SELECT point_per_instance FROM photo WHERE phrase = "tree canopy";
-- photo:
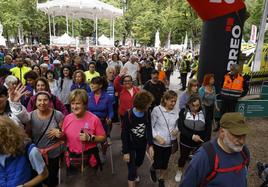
(141, 20)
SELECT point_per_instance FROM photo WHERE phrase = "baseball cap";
(235, 123)
(56, 62)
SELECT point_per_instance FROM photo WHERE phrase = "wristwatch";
(92, 138)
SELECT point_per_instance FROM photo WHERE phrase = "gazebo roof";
(80, 9)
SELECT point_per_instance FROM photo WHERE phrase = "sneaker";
(191, 156)
(109, 141)
(178, 176)
(138, 179)
(153, 175)
(161, 183)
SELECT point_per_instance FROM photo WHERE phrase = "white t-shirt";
(132, 69)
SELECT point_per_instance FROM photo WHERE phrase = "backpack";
(214, 163)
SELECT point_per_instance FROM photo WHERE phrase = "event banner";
(221, 35)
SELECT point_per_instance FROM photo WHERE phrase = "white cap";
(44, 65)
(56, 62)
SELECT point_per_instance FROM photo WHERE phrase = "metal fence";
(255, 87)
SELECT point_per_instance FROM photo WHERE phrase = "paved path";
(119, 178)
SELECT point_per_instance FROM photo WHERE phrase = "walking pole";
(59, 174)
(111, 150)
(83, 148)
(111, 156)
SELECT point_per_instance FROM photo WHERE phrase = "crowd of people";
(58, 105)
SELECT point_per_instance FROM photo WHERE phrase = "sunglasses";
(127, 81)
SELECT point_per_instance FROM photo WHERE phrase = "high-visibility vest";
(233, 88)
(19, 72)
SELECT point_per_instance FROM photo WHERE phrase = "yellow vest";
(90, 76)
(20, 72)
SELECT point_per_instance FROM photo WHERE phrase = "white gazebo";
(90, 9)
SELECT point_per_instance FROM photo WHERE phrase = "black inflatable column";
(221, 35)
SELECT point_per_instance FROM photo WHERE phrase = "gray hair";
(10, 80)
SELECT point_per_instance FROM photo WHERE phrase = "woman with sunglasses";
(124, 86)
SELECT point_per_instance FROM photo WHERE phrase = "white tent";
(105, 41)
(91, 9)
(64, 40)
(157, 41)
(2, 39)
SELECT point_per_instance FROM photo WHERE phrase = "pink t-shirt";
(72, 126)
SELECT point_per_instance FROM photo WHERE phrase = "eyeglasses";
(194, 85)
(91, 66)
(127, 81)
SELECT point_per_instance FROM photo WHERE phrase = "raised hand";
(16, 93)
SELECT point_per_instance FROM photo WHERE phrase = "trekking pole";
(110, 148)
(83, 148)
(112, 161)
(59, 174)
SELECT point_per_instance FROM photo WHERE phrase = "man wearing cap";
(57, 69)
(44, 69)
(228, 150)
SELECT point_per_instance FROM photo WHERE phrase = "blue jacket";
(104, 108)
(199, 168)
(111, 91)
(17, 170)
(81, 86)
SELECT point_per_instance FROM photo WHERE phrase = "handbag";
(174, 143)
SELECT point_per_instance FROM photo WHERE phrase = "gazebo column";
(113, 31)
(73, 26)
(96, 30)
(54, 29)
(49, 28)
(67, 24)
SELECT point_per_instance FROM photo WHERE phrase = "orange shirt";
(162, 76)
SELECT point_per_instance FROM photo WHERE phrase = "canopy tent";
(65, 39)
(105, 41)
(2, 39)
(91, 9)
(157, 41)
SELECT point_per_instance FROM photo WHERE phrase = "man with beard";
(20, 70)
(224, 161)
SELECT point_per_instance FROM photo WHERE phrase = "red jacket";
(125, 99)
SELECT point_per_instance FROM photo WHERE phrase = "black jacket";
(187, 134)
(136, 132)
